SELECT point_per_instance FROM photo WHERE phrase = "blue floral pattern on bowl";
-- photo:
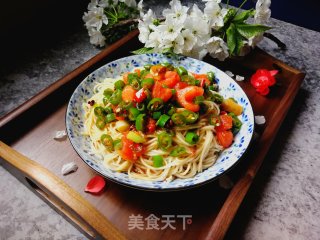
(227, 87)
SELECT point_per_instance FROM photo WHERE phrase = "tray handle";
(56, 192)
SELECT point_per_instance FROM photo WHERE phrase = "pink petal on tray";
(95, 185)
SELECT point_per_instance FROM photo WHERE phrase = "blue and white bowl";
(227, 87)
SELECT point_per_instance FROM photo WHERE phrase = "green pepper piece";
(236, 123)
(117, 144)
(181, 71)
(110, 117)
(155, 104)
(162, 120)
(164, 141)
(135, 137)
(191, 138)
(178, 152)
(107, 141)
(178, 119)
(211, 76)
(125, 105)
(214, 87)
(100, 123)
(116, 97)
(147, 66)
(108, 92)
(119, 85)
(147, 83)
(214, 120)
(190, 116)
(133, 113)
(156, 115)
(171, 111)
(140, 122)
(198, 99)
(108, 110)
(99, 111)
(217, 98)
(157, 161)
(133, 80)
(141, 106)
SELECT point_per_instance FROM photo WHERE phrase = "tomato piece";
(149, 75)
(125, 77)
(225, 138)
(181, 85)
(140, 96)
(130, 151)
(159, 91)
(186, 95)
(128, 93)
(138, 71)
(151, 125)
(171, 79)
(225, 123)
(158, 69)
(203, 78)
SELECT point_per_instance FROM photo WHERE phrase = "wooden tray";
(27, 133)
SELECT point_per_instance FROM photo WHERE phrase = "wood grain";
(211, 207)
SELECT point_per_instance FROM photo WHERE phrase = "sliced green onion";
(214, 120)
(178, 119)
(105, 100)
(140, 122)
(133, 113)
(125, 105)
(171, 111)
(198, 99)
(147, 83)
(164, 141)
(133, 80)
(191, 138)
(197, 82)
(147, 66)
(162, 120)
(214, 87)
(236, 123)
(107, 141)
(108, 109)
(110, 117)
(156, 115)
(157, 161)
(155, 104)
(99, 111)
(178, 152)
(167, 65)
(181, 71)
(211, 76)
(117, 144)
(190, 116)
(116, 97)
(100, 123)
(217, 98)
(119, 85)
(141, 106)
(135, 137)
(108, 92)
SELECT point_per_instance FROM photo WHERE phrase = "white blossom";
(189, 40)
(177, 11)
(154, 40)
(140, 8)
(215, 13)
(95, 18)
(239, 78)
(130, 3)
(145, 25)
(170, 28)
(263, 12)
(217, 48)
(216, 1)
(197, 52)
(96, 37)
(259, 119)
(68, 168)
(177, 44)
(229, 73)
(92, 5)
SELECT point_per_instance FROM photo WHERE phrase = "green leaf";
(244, 15)
(250, 30)
(232, 38)
(230, 14)
(143, 50)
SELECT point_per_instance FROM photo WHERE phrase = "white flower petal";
(229, 73)
(60, 135)
(68, 168)
(259, 120)
(239, 78)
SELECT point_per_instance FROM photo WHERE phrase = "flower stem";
(227, 3)
(272, 37)
(241, 5)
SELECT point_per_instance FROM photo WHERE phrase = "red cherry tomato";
(130, 151)
(186, 95)
(225, 138)
(159, 91)
(225, 123)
